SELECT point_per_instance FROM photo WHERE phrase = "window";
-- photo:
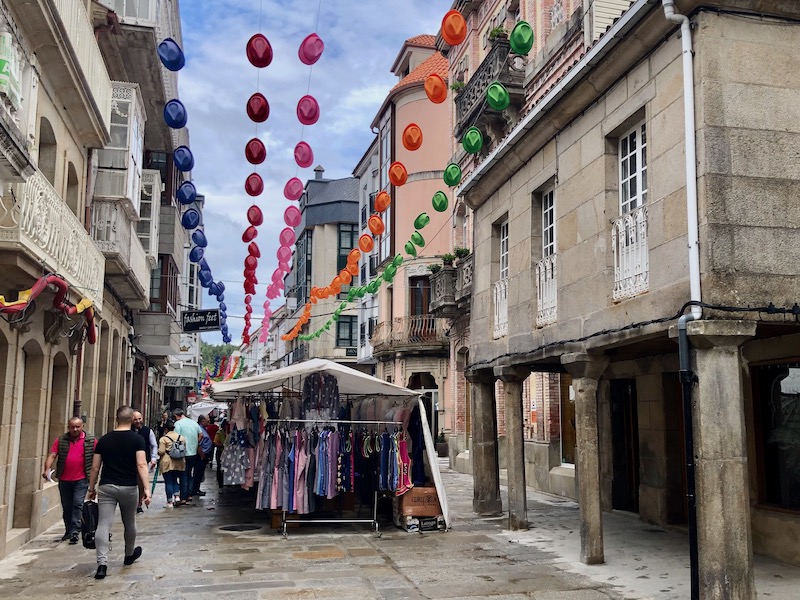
(776, 396)
(362, 334)
(633, 169)
(363, 273)
(347, 331)
(548, 224)
(194, 291)
(386, 236)
(373, 323)
(419, 290)
(504, 250)
(303, 254)
(155, 287)
(385, 153)
(348, 239)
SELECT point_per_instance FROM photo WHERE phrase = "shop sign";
(200, 320)
(179, 382)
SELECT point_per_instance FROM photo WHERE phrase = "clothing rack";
(374, 520)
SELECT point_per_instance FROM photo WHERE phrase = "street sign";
(200, 320)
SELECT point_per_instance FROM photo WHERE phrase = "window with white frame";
(504, 250)
(548, 224)
(633, 169)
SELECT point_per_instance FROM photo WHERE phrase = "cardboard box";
(418, 524)
(420, 501)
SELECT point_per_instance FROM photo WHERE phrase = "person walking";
(161, 427)
(151, 446)
(211, 428)
(125, 480)
(72, 452)
(219, 446)
(170, 467)
(192, 432)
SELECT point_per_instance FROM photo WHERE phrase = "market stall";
(316, 430)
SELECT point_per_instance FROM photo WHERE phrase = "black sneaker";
(139, 510)
(101, 572)
(73, 539)
(129, 560)
(65, 537)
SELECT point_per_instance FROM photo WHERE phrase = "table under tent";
(318, 431)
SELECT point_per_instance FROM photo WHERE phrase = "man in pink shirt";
(73, 453)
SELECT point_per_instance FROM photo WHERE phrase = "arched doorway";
(99, 425)
(115, 381)
(425, 382)
(48, 150)
(59, 398)
(73, 196)
(28, 441)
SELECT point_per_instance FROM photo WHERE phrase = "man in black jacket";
(72, 452)
(150, 444)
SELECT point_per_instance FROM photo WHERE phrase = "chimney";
(318, 171)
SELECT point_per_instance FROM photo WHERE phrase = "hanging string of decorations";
(176, 117)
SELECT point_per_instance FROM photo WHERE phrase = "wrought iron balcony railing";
(546, 291)
(631, 254)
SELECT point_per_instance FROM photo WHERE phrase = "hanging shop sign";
(200, 320)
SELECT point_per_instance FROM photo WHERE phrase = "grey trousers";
(108, 496)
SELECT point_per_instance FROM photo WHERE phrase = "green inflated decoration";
(373, 286)
(417, 238)
(439, 201)
(335, 316)
(410, 249)
(342, 306)
(452, 175)
(521, 38)
(361, 291)
(421, 220)
(497, 97)
(472, 140)
(351, 294)
(389, 273)
(398, 260)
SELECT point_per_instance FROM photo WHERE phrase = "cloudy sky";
(350, 81)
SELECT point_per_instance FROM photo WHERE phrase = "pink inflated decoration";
(303, 155)
(293, 189)
(255, 216)
(292, 216)
(266, 305)
(255, 152)
(259, 51)
(284, 266)
(254, 185)
(308, 110)
(284, 254)
(277, 275)
(287, 236)
(267, 312)
(264, 335)
(311, 49)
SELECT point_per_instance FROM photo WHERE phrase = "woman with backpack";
(172, 450)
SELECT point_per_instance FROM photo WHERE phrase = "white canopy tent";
(350, 382)
(204, 407)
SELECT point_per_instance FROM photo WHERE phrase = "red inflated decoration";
(311, 49)
(308, 110)
(253, 250)
(303, 155)
(259, 51)
(293, 189)
(249, 234)
(251, 262)
(258, 108)
(255, 152)
(255, 216)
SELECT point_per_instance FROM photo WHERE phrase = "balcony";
(41, 226)
(631, 254)
(471, 107)
(76, 69)
(149, 202)
(546, 291)
(443, 293)
(464, 282)
(127, 269)
(419, 334)
(159, 336)
(500, 304)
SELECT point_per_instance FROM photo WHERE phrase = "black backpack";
(89, 518)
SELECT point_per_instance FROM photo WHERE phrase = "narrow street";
(189, 554)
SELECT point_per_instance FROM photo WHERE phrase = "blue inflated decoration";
(183, 158)
(199, 238)
(203, 264)
(175, 115)
(195, 254)
(187, 193)
(190, 219)
(222, 306)
(221, 298)
(171, 55)
(221, 286)
(213, 289)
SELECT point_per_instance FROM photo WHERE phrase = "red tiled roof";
(429, 41)
(436, 63)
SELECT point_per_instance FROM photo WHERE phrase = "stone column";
(586, 370)
(724, 538)
(483, 453)
(512, 379)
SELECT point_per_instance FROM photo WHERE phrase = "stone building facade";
(597, 166)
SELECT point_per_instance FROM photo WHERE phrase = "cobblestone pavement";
(187, 554)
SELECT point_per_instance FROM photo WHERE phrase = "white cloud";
(350, 82)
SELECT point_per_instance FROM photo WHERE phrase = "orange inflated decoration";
(354, 256)
(398, 174)
(454, 28)
(375, 225)
(352, 268)
(435, 88)
(345, 276)
(365, 243)
(382, 201)
(412, 137)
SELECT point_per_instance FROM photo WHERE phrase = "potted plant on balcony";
(447, 259)
(498, 33)
(457, 86)
(434, 268)
(461, 252)
(442, 447)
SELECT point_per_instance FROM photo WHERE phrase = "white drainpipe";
(691, 157)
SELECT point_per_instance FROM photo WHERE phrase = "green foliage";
(497, 32)
(457, 86)
(210, 352)
(434, 268)
(448, 259)
(461, 252)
